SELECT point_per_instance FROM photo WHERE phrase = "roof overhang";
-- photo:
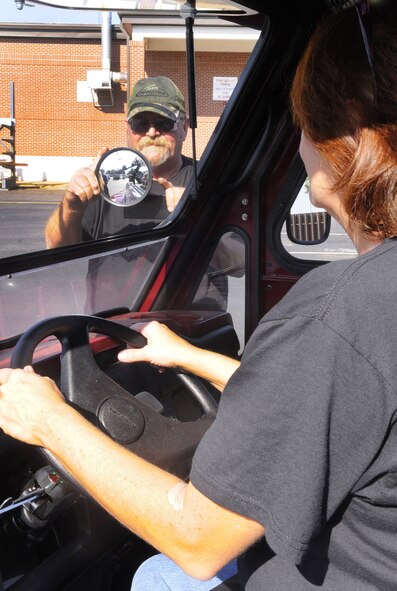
(219, 25)
(57, 31)
(166, 32)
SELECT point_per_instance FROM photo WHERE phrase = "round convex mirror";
(124, 176)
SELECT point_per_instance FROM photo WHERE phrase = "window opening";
(311, 221)
(223, 284)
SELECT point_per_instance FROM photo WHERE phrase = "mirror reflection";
(124, 177)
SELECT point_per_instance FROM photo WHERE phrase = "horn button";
(121, 419)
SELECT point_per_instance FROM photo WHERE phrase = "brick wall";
(45, 71)
(208, 65)
(49, 120)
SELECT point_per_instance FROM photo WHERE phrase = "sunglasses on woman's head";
(142, 125)
(363, 18)
(362, 9)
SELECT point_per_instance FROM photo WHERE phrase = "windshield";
(65, 96)
(115, 281)
(71, 92)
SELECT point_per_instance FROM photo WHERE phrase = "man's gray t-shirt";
(102, 219)
(305, 441)
(111, 280)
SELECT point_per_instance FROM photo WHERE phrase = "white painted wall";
(49, 168)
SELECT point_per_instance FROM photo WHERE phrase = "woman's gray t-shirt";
(305, 440)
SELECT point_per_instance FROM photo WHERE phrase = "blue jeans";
(159, 573)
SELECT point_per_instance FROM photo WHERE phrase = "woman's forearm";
(213, 367)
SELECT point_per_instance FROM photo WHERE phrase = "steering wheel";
(164, 441)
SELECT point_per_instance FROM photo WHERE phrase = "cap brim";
(162, 110)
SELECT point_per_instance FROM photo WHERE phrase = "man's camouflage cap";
(158, 95)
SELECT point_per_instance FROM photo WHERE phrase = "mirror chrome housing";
(125, 177)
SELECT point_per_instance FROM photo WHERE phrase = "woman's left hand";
(27, 403)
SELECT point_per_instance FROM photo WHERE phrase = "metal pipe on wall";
(106, 36)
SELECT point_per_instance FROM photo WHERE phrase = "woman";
(298, 474)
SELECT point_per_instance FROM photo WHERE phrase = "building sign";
(222, 87)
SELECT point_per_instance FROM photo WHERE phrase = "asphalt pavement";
(26, 192)
(24, 212)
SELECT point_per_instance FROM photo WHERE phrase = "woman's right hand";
(164, 348)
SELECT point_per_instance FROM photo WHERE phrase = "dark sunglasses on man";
(142, 125)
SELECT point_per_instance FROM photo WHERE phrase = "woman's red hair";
(351, 121)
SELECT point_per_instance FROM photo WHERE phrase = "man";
(156, 126)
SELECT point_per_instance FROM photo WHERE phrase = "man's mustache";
(157, 141)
